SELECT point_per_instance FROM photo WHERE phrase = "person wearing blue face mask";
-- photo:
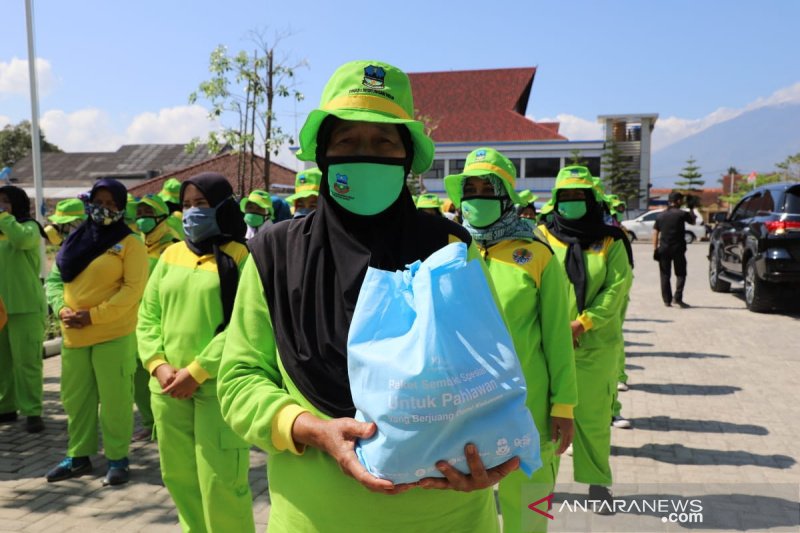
(184, 312)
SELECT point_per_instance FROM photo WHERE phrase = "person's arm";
(691, 218)
(656, 233)
(135, 267)
(54, 289)
(605, 306)
(148, 327)
(23, 236)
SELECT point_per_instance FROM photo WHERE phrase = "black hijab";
(219, 193)
(312, 269)
(580, 235)
(90, 240)
(21, 206)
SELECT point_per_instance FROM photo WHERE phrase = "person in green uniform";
(306, 192)
(532, 289)
(94, 288)
(258, 211)
(185, 309)
(527, 207)
(21, 381)
(596, 262)
(69, 214)
(170, 193)
(283, 381)
(430, 203)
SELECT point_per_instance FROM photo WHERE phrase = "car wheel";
(688, 237)
(759, 295)
(714, 270)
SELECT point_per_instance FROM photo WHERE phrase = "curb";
(51, 347)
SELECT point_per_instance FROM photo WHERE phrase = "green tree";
(618, 176)
(576, 159)
(743, 187)
(15, 143)
(691, 183)
(245, 86)
(790, 167)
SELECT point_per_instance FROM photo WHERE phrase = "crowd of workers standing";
(225, 322)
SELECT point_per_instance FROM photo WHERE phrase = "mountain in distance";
(754, 141)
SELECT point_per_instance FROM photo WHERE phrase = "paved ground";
(714, 400)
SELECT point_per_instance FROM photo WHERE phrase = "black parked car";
(758, 247)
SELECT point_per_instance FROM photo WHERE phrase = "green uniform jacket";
(21, 261)
(532, 288)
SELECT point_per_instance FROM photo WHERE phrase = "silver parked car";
(641, 227)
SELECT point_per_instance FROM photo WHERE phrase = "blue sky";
(120, 72)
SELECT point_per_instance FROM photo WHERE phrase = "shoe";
(682, 304)
(68, 468)
(118, 472)
(668, 304)
(34, 424)
(621, 422)
(8, 417)
(142, 435)
(568, 451)
(622, 386)
(605, 505)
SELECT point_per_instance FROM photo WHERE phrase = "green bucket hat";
(67, 211)
(171, 191)
(576, 177)
(259, 197)
(153, 200)
(483, 162)
(130, 209)
(368, 91)
(429, 201)
(306, 183)
(527, 197)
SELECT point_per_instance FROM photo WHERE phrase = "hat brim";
(301, 194)
(453, 184)
(423, 145)
(260, 203)
(554, 192)
(65, 219)
(159, 210)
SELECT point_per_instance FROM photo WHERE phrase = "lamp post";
(35, 136)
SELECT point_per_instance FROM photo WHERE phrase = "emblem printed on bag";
(502, 447)
(521, 256)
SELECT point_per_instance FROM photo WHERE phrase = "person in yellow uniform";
(596, 262)
(21, 378)
(306, 191)
(430, 203)
(185, 309)
(69, 214)
(95, 287)
(258, 211)
(532, 289)
(170, 193)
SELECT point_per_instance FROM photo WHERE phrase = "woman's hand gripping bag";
(432, 364)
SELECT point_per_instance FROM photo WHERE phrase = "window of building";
(457, 166)
(436, 172)
(517, 165)
(593, 164)
(542, 167)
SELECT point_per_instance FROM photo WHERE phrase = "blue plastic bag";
(432, 364)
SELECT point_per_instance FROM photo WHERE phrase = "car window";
(792, 201)
(767, 203)
(651, 217)
(741, 211)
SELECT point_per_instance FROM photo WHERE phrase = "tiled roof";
(479, 105)
(227, 165)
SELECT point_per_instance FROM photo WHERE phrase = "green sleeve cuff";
(155, 362)
(4, 215)
(282, 428)
(586, 321)
(198, 372)
(562, 410)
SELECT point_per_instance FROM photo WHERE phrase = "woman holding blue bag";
(596, 261)
(532, 289)
(283, 381)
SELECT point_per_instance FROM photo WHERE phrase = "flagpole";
(35, 136)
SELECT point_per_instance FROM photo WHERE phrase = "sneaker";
(34, 424)
(605, 507)
(5, 418)
(622, 386)
(568, 451)
(621, 422)
(68, 468)
(142, 435)
(118, 472)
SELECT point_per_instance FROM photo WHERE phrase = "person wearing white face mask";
(95, 287)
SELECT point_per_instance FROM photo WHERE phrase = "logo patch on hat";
(301, 179)
(522, 256)
(575, 172)
(341, 185)
(480, 155)
(374, 77)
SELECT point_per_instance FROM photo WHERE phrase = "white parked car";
(641, 228)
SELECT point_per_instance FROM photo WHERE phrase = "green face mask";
(572, 210)
(366, 188)
(254, 220)
(146, 224)
(481, 212)
(619, 216)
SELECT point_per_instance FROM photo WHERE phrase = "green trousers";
(22, 378)
(622, 376)
(204, 464)
(516, 492)
(596, 372)
(141, 394)
(99, 376)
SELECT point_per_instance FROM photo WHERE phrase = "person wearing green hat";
(69, 214)
(306, 192)
(597, 267)
(283, 381)
(171, 194)
(532, 290)
(527, 208)
(21, 379)
(258, 211)
(429, 203)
